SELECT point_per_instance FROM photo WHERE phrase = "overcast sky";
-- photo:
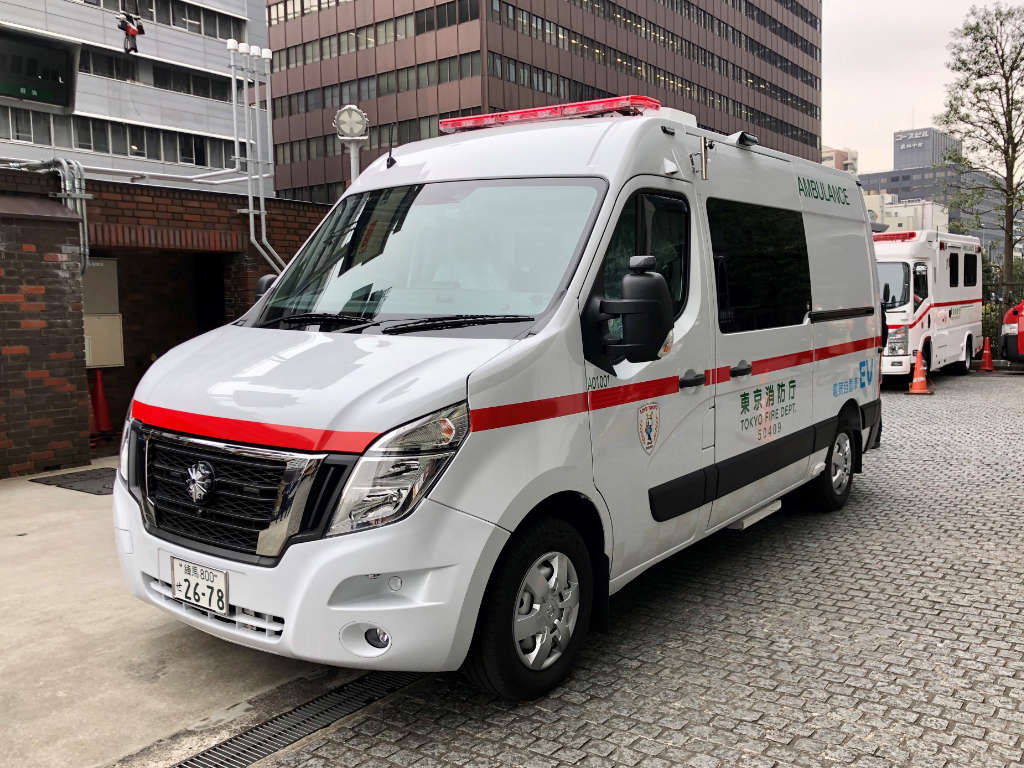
(883, 70)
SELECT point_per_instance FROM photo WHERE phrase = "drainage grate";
(99, 482)
(287, 728)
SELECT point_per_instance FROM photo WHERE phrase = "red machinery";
(1011, 336)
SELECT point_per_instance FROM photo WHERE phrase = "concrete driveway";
(89, 675)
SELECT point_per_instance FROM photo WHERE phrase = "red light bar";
(900, 236)
(630, 105)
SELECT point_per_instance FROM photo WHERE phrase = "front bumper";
(421, 580)
(897, 365)
(1008, 348)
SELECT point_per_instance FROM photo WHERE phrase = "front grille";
(249, 508)
(243, 620)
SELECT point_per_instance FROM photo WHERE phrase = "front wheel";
(831, 488)
(535, 613)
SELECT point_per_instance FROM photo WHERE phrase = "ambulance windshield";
(894, 283)
(480, 247)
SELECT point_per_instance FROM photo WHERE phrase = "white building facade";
(909, 215)
(68, 89)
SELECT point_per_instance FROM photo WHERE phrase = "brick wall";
(44, 416)
(165, 240)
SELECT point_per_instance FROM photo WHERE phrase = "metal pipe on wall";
(270, 156)
(250, 163)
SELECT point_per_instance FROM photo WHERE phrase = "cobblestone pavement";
(888, 634)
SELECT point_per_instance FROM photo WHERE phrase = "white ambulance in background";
(513, 368)
(931, 289)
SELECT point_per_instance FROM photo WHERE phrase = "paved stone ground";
(888, 634)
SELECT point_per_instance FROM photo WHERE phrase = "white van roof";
(896, 245)
(606, 145)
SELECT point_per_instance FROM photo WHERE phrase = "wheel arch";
(581, 513)
(850, 415)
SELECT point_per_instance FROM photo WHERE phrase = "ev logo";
(867, 373)
(861, 379)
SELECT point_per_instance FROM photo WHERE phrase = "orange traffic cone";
(102, 415)
(919, 386)
(986, 358)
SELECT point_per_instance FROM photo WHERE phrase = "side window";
(761, 266)
(920, 284)
(651, 224)
(954, 270)
(970, 270)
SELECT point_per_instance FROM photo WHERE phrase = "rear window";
(970, 269)
(761, 269)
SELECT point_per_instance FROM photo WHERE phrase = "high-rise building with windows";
(67, 87)
(752, 65)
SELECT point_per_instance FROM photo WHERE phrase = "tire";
(831, 488)
(533, 560)
(963, 367)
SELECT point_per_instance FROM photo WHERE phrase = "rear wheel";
(535, 612)
(831, 488)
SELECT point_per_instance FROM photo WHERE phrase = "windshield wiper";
(319, 317)
(454, 321)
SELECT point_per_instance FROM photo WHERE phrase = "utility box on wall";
(104, 340)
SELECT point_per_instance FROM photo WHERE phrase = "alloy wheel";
(546, 610)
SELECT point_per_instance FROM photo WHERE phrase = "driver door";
(651, 423)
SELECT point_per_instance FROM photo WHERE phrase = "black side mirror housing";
(645, 309)
(885, 294)
(263, 284)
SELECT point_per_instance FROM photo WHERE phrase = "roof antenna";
(391, 145)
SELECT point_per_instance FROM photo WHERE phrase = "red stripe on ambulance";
(497, 416)
(256, 432)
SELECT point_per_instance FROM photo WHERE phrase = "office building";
(910, 215)
(919, 175)
(68, 88)
(921, 148)
(751, 65)
(842, 159)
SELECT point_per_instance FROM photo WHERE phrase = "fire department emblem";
(200, 481)
(648, 419)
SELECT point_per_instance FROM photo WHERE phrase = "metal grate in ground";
(279, 732)
(99, 481)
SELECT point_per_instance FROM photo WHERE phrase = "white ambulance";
(514, 367)
(931, 289)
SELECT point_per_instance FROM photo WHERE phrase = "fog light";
(377, 637)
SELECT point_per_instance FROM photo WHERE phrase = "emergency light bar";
(901, 236)
(627, 105)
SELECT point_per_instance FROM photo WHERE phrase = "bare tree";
(985, 109)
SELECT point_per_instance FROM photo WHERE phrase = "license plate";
(201, 586)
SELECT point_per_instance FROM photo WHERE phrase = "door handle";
(691, 379)
(742, 368)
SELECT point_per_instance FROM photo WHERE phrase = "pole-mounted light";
(353, 126)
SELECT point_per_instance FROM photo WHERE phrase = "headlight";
(123, 456)
(897, 343)
(398, 470)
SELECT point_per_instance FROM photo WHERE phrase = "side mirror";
(645, 309)
(886, 295)
(263, 284)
